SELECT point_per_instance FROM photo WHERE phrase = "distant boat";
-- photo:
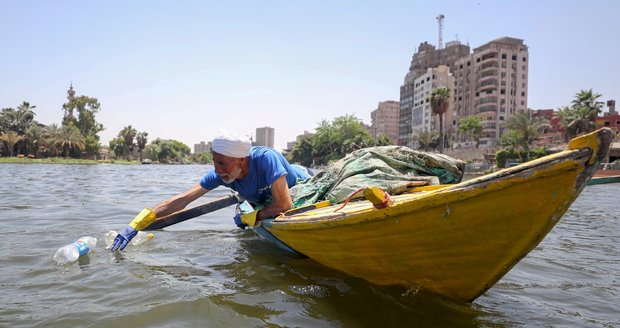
(604, 180)
(607, 173)
(453, 240)
(146, 161)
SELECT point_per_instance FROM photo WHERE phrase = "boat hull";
(455, 241)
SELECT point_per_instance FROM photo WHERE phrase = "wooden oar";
(193, 212)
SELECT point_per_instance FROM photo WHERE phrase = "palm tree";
(34, 136)
(141, 141)
(426, 139)
(50, 134)
(588, 100)
(24, 116)
(127, 134)
(575, 121)
(10, 139)
(471, 126)
(7, 119)
(527, 128)
(581, 116)
(439, 105)
(68, 138)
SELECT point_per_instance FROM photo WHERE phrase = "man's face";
(227, 168)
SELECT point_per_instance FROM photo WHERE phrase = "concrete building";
(384, 120)
(492, 83)
(427, 56)
(423, 118)
(404, 114)
(202, 147)
(610, 119)
(552, 133)
(291, 144)
(265, 136)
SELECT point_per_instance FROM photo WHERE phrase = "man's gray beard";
(231, 177)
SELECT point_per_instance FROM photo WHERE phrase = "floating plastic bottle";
(70, 253)
(141, 238)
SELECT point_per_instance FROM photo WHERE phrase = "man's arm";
(281, 200)
(146, 216)
(179, 202)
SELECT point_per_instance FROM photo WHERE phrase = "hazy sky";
(184, 69)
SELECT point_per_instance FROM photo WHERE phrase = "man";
(261, 175)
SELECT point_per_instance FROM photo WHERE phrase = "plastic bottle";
(141, 238)
(70, 253)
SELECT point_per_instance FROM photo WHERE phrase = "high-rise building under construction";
(426, 57)
(491, 83)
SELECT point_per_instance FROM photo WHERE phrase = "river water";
(207, 272)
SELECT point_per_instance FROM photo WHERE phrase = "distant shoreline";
(60, 160)
(77, 161)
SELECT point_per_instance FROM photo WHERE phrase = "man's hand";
(123, 238)
(244, 220)
(141, 221)
(238, 221)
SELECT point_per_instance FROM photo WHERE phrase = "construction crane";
(440, 41)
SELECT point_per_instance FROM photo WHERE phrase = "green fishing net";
(394, 169)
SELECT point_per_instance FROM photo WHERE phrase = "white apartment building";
(422, 117)
(265, 136)
(492, 83)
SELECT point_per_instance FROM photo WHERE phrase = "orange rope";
(348, 199)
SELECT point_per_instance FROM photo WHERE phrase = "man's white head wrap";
(231, 145)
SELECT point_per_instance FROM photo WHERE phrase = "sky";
(185, 70)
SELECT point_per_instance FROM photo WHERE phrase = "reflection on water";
(206, 272)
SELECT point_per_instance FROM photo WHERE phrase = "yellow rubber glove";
(249, 218)
(143, 219)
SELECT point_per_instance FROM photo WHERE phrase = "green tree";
(526, 127)
(382, 140)
(24, 117)
(8, 120)
(574, 121)
(10, 139)
(427, 140)
(303, 152)
(588, 100)
(471, 126)
(86, 109)
(5, 114)
(50, 134)
(439, 104)
(334, 139)
(127, 134)
(580, 117)
(35, 137)
(171, 150)
(203, 158)
(117, 146)
(151, 151)
(141, 140)
(69, 138)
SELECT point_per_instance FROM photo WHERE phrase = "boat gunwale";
(308, 221)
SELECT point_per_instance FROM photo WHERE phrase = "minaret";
(70, 93)
(68, 107)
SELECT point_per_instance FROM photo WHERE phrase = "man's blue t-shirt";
(266, 166)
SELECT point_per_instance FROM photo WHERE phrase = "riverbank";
(61, 160)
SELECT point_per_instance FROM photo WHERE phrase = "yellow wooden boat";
(453, 240)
